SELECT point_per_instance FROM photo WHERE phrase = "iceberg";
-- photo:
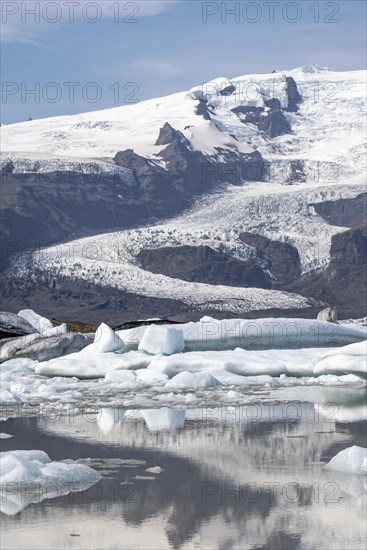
(12, 325)
(41, 324)
(352, 460)
(162, 340)
(24, 469)
(257, 334)
(106, 340)
(31, 476)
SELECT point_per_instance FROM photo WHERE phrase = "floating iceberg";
(162, 340)
(106, 340)
(23, 469)
(31, 476)
(41, 324)
(257, 334)
(352, 460)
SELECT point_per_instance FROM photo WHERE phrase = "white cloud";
(24, 20)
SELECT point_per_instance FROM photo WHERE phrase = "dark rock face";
(282, 258)
(344, 283)
(202, 264)
(344, 212)
(228, 90)
(202, 109)
(11, 326)
(41, 209)
(272, 122)
(294, 98)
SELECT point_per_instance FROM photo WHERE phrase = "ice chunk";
(11, 346)
(12, 325)
(107, 340)
(9, 398)
(28, 468)
(352, 460)
(31, 476)
(42, 348)
(164, 419)
(162, 340)
(41, 324)
(189, 380)
(154, 470)
(56, 331)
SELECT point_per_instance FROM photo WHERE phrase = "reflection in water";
(230, 479)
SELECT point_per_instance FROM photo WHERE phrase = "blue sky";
(154, 47)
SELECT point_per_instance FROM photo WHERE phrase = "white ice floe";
(242, 362)
(86, 364)
(352, 460)
(347, 359)
(163, 340)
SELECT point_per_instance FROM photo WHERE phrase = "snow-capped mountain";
(239, 171)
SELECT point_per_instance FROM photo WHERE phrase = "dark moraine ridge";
(202, 264)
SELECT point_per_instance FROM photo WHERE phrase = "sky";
(65, 57)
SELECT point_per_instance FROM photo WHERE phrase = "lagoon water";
(233, 477)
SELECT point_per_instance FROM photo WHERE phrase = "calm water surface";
(231, 479)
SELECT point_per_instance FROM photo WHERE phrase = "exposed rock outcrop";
(344, 212)
(282, 259)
